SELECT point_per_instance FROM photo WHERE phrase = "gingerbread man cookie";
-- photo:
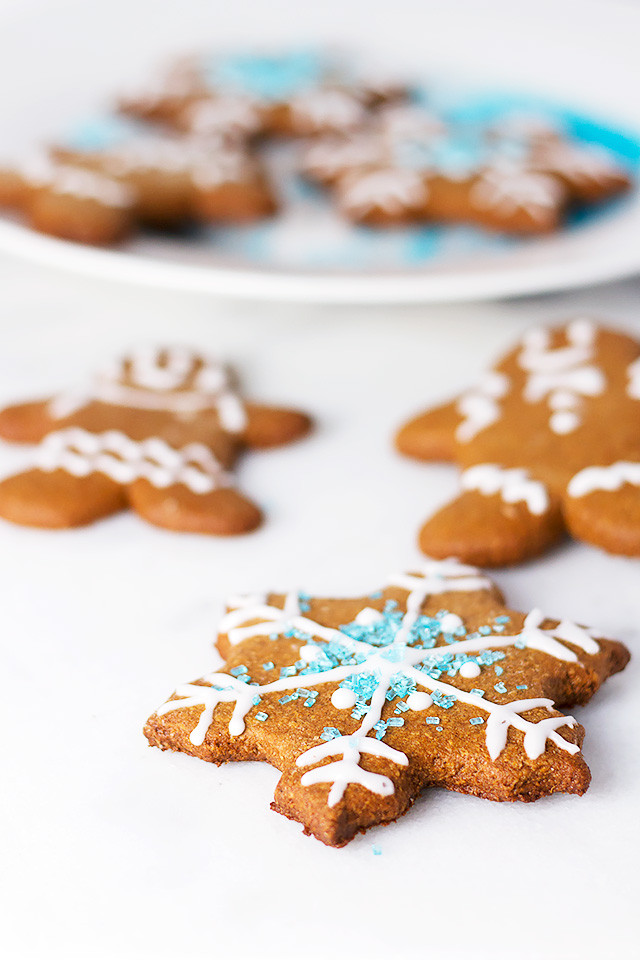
(159, 432)
(361, 703)
(548, 441)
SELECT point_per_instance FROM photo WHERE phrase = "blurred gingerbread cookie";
(159, 432)
(548, 441)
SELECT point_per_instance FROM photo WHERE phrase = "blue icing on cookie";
(269, 77)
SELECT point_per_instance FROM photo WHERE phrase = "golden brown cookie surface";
(548, 441)
(362, 703)
(160, 432)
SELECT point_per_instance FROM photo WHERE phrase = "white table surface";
(113, 850)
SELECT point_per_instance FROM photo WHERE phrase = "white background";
(112, 850)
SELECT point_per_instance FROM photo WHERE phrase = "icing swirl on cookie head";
(172, 379)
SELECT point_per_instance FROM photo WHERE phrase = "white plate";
(496, 44)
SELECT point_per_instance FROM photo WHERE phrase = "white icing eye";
(419, 701)
(343, 698)
(309, 653)
(450, 623)
(469, 670)
(367, 616)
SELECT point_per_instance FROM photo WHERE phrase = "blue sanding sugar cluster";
(380, 635)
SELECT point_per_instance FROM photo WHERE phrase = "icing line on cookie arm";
(514, 486)
(608, 479)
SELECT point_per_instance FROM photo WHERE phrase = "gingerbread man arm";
(273, 426)
(430, 435)
(500, 517)
(27, 422)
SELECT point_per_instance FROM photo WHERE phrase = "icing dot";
(368, 616)
(343, 698)
(564, 421)
(450, 623)
(308, 653)
(469, 670)
(419, 701)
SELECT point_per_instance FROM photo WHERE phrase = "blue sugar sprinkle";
(244, 678)
(503, 619)
(439, 729)
(330, 733)
(257, 699)
(476, 720)
(269, 665)
(376, 851)
(520, 645)
(311, 702)
(273, 636)
(376, 595)
(478, 692)
(460, 631)
(238, 671)
(395, 722)
(287, 699)
(521, 686)
(500, 687)
(401, 707)
(498, 671)
(262, 715)
(430, 720)
(287, 672)
(484, 631)
(499, 628)
(446, 701)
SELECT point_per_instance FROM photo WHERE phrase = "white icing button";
(309, 653)
(343, 698)
(469, 670)
(419, 701)
(450, 623)
(368, 616)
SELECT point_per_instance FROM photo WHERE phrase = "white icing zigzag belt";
(124, 460)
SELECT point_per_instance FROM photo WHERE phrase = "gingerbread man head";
(160, 431)
(548, 441)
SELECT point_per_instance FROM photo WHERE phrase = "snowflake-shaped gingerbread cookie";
(548, 441)
(361, 703)
(159, 432)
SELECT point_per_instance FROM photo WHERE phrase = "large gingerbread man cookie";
(159, 432)
(548, 441)
(362, 703)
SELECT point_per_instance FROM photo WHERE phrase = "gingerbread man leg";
(221, 512)
(58, 499)
(500, 517)
(602, 507)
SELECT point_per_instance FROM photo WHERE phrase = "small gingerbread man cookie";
(362, 703)
(159, 432)
(548, 441)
